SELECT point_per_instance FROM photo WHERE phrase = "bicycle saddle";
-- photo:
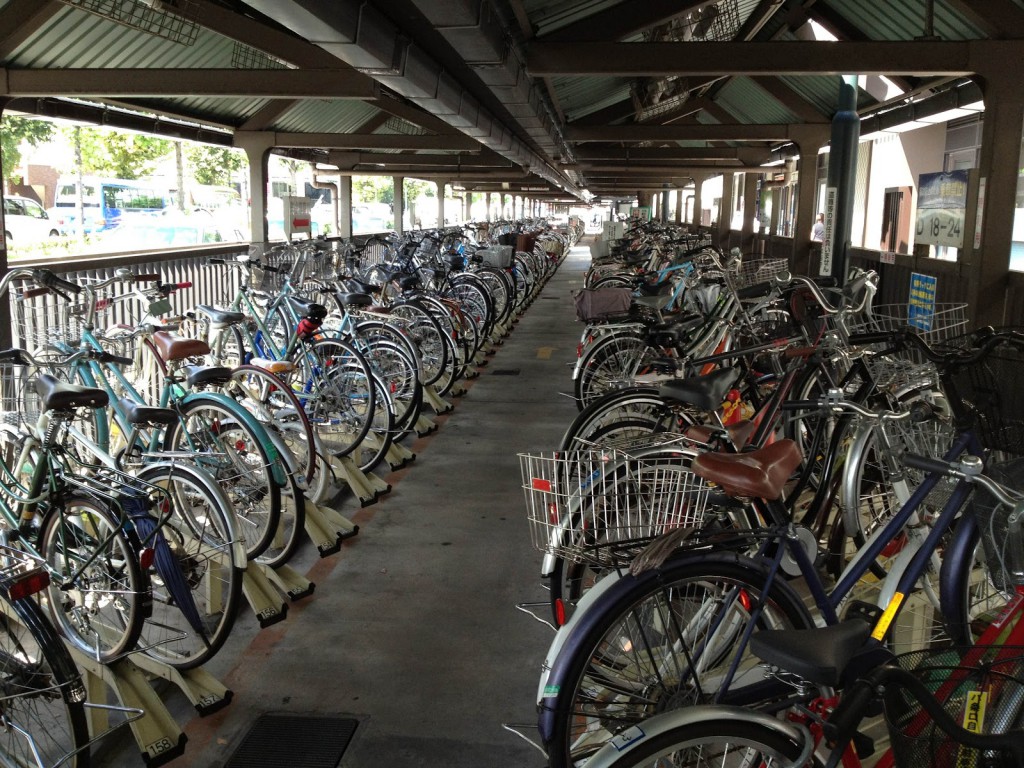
(309, 309)
(136, 413)
(705, 392)
(202, 375)
(59, 396)
(173, 347)
(759, 474)
(226, 316)
(355, 299)
(361, 286)
(819, 655)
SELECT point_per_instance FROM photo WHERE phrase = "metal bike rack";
(435, 401)
(327, 528)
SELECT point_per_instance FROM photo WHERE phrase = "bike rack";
(435, 401)
(424, 426)
(366, 486)
(327, 528)
(260, 589)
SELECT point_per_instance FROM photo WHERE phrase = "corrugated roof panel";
(324, 116)
(822, 92)
(579, 96)
(750, 103)
(229, 112)
(904, 20)
(547, 16)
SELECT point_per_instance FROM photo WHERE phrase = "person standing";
(818, 230)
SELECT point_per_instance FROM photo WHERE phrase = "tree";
(373, 189)
(214, 165)
(121, 155)
(15, 130)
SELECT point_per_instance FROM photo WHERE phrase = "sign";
(921, 308)
(981, 213)
(828, 243)
(888, 257)
(941, 208)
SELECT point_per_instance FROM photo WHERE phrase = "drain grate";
(505, 372)
(286, 741)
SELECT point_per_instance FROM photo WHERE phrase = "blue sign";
(921, 308)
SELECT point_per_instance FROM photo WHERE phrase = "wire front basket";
(981, 689)
(751, 271)
(1002, 537)
(985, 396)
(18, 402)
(581, 504)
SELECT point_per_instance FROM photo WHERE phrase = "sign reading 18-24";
(941, 208)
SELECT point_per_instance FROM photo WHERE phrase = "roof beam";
(593, 152)
(686, 132)
(413, 115)
(767, 58)
(231, 83)
(680, 172)
(622, 20)
(790, 99)
(267, 114)
(19, 19)
(1000, 18)
(374, 141)
(462, 160)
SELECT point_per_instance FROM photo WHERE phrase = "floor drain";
(505, 372)
(286, 741)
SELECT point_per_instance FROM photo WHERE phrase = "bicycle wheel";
(610, 364)
(291, 526)
(43, 694)
(661, 640)
(202, 539)
(338, 390)
(427, 337)
(397, 371)
(274, 404)
(98, 596)
(241, 459)
(714, 737)
(621, 414)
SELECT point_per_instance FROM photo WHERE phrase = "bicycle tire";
(726, 738)
(611, 643)
(202, 537)
(611, 363)
(339, 392)
(427, 337)
(101, 610)
(43, 690)
(240, 458)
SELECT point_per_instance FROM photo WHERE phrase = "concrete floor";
(413, 628)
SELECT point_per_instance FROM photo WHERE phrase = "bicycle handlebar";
(20, 356)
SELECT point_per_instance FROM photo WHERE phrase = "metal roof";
(750, 103)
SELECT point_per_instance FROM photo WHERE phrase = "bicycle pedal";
(864, 744)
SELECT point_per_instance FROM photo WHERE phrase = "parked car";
(168, 231)
(26, 223)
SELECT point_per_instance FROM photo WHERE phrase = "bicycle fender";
(276, 463)
(663, 723)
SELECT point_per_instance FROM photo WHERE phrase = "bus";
(106, 201)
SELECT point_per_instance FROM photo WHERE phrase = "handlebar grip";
(107, 357)
(15, 355)
(216, 261)
(31, 293)
(925, 463)
(52, 281)
(178, 286)
(149, 277)
(872, 337)
(843, 722)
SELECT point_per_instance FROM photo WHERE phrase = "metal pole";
(842, 182)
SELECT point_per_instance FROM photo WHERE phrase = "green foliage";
(14, 130)
(214, 165)
(121, 155)
(372, 189)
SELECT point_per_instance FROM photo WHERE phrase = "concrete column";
(440, 185)
(809, 138)
(680, 204)
(257, 146)
(698, 204)
(467, 204)
(998, 166)
(345, 206)
(725, 210)
(663, 211)
(749, 212)
(842, 176)
(399, 204)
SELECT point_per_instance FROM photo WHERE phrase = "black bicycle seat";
(57, 395)
(819, 655)
(705, 392)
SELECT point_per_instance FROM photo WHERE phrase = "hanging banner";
(941, 208)
(828, 243)
(979, 217)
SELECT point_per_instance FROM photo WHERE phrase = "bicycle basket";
(985, 397)
(752, 270)
(1002, 537)
(18, 400)
(982, 689)
(581, 504)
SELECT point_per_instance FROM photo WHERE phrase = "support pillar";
(345, 206)
(809, 139)
(440, 185)
(842, 177)
(725, 211)
(698, 205)
(987, 269)
(749, 212)
(257, 146)
(663, 210)
(467, 205)
(680, 204)
(399, 204)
